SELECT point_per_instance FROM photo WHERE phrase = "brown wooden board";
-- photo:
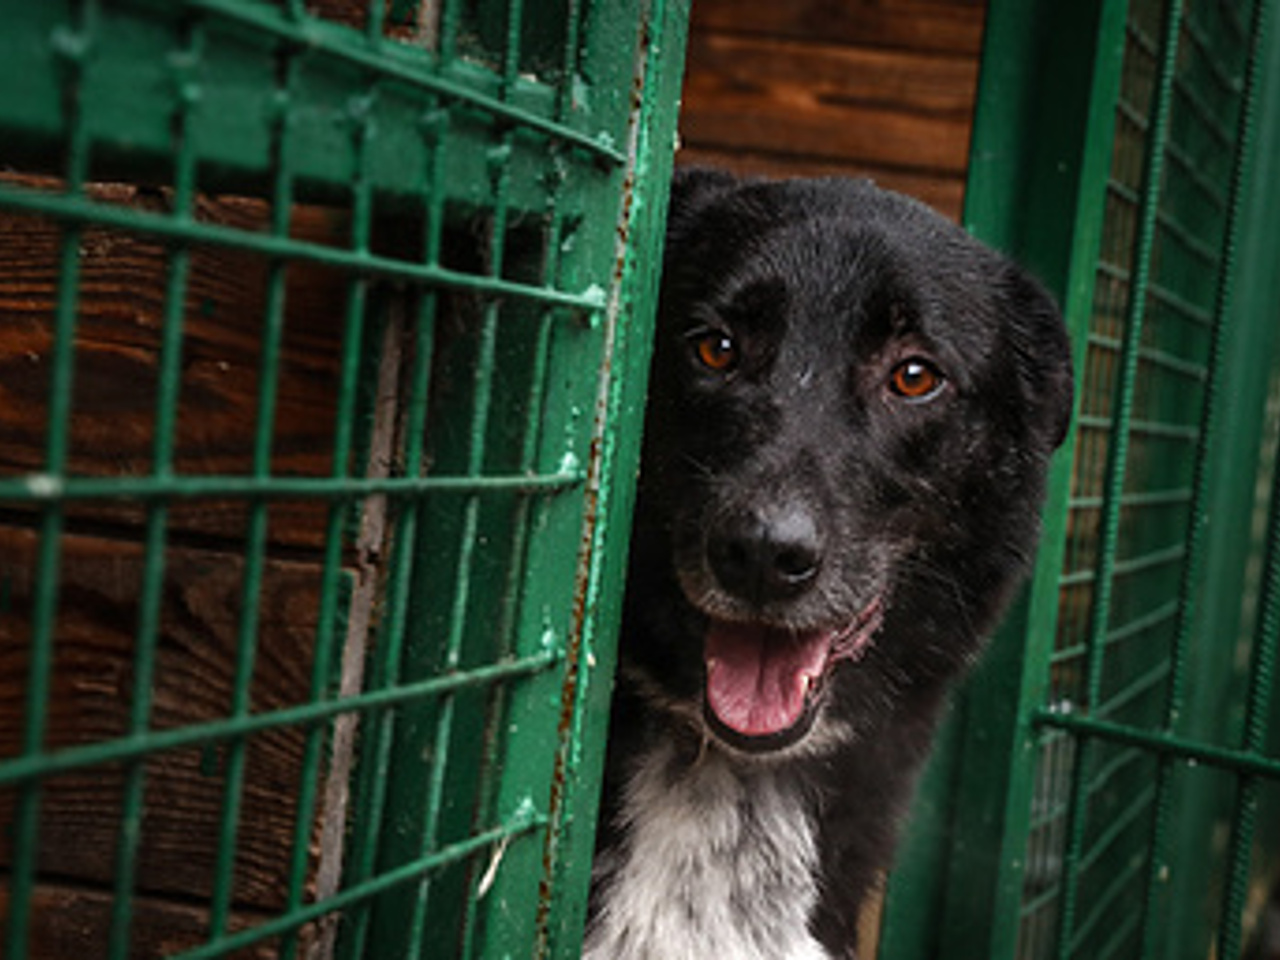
(832, 103)
(120, 316)
(883, 90)
(806, 74)
(92, 690)
(945, 194)
(71, 923)
(944, 26)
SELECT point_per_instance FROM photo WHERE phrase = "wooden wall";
(876, 88)
(120, 319)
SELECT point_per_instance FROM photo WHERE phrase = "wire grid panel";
(1109, 785)
(322, 334)
(1133, 658)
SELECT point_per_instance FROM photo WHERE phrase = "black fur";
(799, 491)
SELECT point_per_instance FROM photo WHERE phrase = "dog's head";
(852, 407)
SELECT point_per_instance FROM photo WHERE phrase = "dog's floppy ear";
(1043, 355)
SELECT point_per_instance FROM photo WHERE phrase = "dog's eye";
(916, 379)
(715, 350)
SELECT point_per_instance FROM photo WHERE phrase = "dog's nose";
(766, 556)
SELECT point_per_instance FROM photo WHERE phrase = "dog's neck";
(717, 859)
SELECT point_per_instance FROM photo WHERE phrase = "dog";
(852, 408)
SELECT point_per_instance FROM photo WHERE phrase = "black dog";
(852, 408)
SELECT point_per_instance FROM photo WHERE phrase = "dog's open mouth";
(764, 682)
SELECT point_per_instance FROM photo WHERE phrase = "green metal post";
(651, 132)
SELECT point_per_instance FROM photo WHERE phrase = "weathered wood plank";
(947, 26)
(829, 103)
(120, 317)
(871, 137)
(913, 82)
(69, 923)
(92, 691)
(944, 193)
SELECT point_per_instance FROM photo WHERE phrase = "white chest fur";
(717, 863)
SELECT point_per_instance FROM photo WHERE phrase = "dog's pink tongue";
(757, 677)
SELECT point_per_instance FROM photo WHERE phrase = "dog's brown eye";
(915, 379)
(715, 350)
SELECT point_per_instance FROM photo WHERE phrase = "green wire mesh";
(1110, 784)
(1116, 729)
(323, 331)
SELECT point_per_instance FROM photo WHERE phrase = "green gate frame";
(480, 677)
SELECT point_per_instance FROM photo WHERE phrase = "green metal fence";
(323, 329)
(1108, 787)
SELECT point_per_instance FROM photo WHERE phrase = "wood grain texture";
(871, 89)
(829, 102)
(120, 316)
(72, 923)
(92, 690)
(945, 194)
(815, 72)
(942, 26)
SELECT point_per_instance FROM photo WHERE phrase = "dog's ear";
(1042, 350)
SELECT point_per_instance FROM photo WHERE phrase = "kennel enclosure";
(323, 328)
